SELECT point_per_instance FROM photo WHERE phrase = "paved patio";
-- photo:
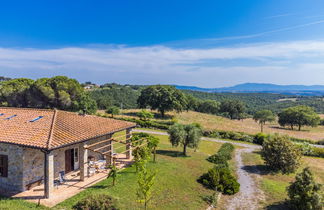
(71, 187)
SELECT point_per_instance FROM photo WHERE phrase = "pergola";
(104, 147)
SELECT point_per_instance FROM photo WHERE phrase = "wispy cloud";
(161, 64)
(279, 16)
(250, 36)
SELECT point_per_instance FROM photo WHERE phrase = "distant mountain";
(313, 90)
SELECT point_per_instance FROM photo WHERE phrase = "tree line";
(57, 92)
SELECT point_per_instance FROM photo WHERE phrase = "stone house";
(36, 144)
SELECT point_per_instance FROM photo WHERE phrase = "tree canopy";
(299, 116)
(186, 135)
(234, 108)
(162, 98)
(113, 110)
(56, 92)
(264, 116)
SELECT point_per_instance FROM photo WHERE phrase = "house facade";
(36, 145)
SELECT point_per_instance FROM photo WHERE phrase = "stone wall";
(97, 155)
(15, 168)
(33, 165)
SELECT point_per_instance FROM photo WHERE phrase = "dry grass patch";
(213, 122)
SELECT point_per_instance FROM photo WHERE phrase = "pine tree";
(305, 193)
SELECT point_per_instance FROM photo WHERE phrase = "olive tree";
(264, 116)
(280, 154)
(186, 135)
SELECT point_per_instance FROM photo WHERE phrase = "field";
(274, 185)
(176, 186)
(213, 122)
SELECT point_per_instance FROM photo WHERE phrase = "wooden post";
(48, 174)
(109, 153)
(129, 143)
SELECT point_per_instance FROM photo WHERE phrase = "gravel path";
(250, 195)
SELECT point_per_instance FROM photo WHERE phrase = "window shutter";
(5, 166)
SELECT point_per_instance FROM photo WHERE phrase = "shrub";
(218, 159)
(305, 193)
(280, 154)
(221, 179)
(322, 122)
(145, 115)
(317, 152)
(96, 202)
(259, 138)
(224, 153)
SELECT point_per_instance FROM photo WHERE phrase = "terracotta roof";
(54, 129)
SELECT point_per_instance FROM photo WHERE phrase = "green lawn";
(175, 188)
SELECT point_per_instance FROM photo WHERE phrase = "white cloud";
(160, 64)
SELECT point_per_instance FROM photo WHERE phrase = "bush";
(221, 179)
(322, 122)
(96, 202)
(259, 138)
(148, 124)
(280, 154)
(317, 152)
(145, 115)
(305, 193)
(224, 153)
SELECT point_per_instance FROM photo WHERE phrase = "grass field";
(175, 187)
(274, 185)
(213, 122)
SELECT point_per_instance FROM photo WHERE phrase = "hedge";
(219, 177)
(223, 155)
(257, 138)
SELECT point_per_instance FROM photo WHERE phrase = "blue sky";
(206, 43)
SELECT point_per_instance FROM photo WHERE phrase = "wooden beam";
(94, 144)
(97, 149)
(102, 153)
(132, 148)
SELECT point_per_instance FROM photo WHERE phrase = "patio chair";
(61, 179)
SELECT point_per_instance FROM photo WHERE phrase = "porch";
(72, 186)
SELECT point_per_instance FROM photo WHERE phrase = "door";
(69, 160)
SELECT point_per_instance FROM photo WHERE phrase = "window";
(3, 166)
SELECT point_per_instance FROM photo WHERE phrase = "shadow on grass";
(170, 153)
(131, 114)
(287, 129)
(284, 205)
(257, 169)
(101, 187)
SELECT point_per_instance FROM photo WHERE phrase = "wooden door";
(69, 162)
